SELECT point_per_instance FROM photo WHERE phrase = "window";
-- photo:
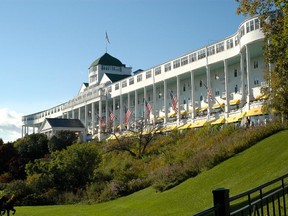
(131, 81)
(247, 27)
(229, 43)
(184, 88)
(236, 41)
(256, 81)
(211, 50)
(252, 25)
(157, 71)
(236, 88)
(217, 92)
(109, 89)
(201, 54)
(184, 60)
(192, 57)
(257, 24)
(105, 67)
(201, 98)
(148, 74)
(235, 73)
(220, 47)
(242, 31)
(139, 78)
(116, 86)
(124, 84)
(255, 64)
(201, 83)
(167, 67)
(176, 63)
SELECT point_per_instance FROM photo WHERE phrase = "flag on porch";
(127, 115)
(148, 107)
(174, 102)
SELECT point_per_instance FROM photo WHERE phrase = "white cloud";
(10, 125)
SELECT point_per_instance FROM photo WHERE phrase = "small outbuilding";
(51, 125)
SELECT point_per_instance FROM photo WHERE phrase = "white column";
(128, 105)
(93, 117)
(144, 115)
(248, 77)
(86, 117)
(243, 99)
(121, 113)
(114, 112)
(154, 104)
(209, 88)
(193, 96)
(79, 113)
(227, 105)
(106, 111)
(73, 114)
(165, 102)
(179, 100)
(136, 106)
(100, 116)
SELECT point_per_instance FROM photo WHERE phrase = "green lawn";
(263, 162)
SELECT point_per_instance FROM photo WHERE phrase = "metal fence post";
(221, 199)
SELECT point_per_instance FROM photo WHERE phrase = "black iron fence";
(268, 199)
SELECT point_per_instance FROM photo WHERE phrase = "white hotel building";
(216, 84)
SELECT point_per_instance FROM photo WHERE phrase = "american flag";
(148, 107)
(102, 122)
(111, 116)
(127, 115)
(174, 102)
(209, 92)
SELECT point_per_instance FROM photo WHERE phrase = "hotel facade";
(216, 84)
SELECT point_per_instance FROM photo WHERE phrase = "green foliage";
(257, 165)
(61, 140)
(32, 147)
(8, 156)
(71, 168)
(274, 20)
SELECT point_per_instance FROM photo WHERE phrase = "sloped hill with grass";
(260, 163)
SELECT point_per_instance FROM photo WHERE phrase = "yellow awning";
(255, 111)
(168, 128)
(262, 97)
(234, 102)
(172, 115)
(232, 119)
(111, 137)
(196, 110)
(217, 105)
(198, 124)
(160, 117)
(218, 121)
(183, 112)
(203, 108)
(185, 126)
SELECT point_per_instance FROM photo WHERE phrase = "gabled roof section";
(67, 123)
(116, 77)
(107, 59)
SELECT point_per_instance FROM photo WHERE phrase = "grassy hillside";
(263, 162)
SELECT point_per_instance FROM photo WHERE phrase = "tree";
(273, 15)
(61, 140)
(71, 168)
(32, 147)
(136, 141)
(28, 149)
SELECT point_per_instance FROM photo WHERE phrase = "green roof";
(59, 122)
(107, 59)
(116, 77)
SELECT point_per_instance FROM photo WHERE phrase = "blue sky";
(46, 46)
